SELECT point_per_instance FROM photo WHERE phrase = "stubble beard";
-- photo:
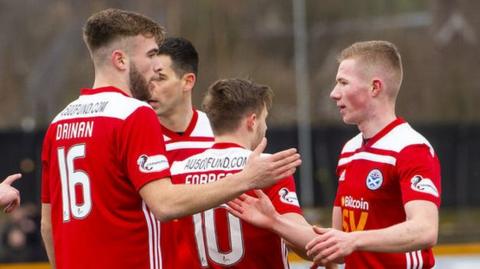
(138, 85)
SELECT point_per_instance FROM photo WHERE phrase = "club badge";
(374, 179)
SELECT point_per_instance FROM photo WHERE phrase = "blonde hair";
(378, 54)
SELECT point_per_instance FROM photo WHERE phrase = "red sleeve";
(45, 196)
(143, 148)
(419, 174)
(284, 197)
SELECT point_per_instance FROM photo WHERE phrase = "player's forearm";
(169, 201)
(297, 234)
(407, 236)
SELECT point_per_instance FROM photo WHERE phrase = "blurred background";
(290, 45)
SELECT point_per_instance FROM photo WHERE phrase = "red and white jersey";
(197, 137)
(215, 238)
(376, 179)
(97, 153)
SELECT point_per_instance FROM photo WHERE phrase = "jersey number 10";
(205, 228)
(71, 179)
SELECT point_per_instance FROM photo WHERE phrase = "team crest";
(418, 183)
(374, 179)
(288, 197)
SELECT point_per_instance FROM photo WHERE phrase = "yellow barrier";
(451, 249)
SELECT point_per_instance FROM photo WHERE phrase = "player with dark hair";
(186, 130)
(105, 176)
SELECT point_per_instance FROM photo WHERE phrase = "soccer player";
(237, 110)
(186, 130)
(385, 213)
(105, 177)
(9, 196)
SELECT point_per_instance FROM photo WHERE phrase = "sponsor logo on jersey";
(350, 202)
(288, 197)
(374, 179)
(421, 184)
(342, 176)
(150, 164)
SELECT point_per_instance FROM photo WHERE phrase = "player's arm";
(419, 231)
(46, 230)
(259, 211)
(168, 201)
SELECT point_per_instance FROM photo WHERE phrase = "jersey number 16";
(72, 179)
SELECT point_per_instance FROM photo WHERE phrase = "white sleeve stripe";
(370, 157)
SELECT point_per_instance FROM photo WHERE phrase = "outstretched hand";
(264, 170)
(258, 211)
(329, 246)
(9, 196)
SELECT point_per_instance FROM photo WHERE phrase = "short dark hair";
(183, 54)
(228, 100)
(110, 24)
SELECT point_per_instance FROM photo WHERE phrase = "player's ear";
(251, 121)
(189, 80)
(376, 87)
(119, 60)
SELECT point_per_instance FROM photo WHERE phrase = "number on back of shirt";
(72, 180)
(205, 228)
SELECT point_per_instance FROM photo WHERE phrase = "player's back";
(93, 165)
(216, 239)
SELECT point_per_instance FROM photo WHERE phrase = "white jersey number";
(70, 180)
(205, 228)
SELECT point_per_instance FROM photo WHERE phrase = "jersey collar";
(187, 132)
(384, 131)
(225, 145)
(88, 91)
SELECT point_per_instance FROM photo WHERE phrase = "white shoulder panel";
(107, 104)
(353, 144)
(203, 127)
(401, 137)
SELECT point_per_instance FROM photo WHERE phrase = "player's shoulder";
(353, 144)
(401, 137)
(106, 104)
(203, 128)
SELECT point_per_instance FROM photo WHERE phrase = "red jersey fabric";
(376, 179)
(197, 137)
(97, 153)
(215, 238)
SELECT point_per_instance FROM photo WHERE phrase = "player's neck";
(375, 123)
(104, 80)
(179, 119)
(233, 138)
